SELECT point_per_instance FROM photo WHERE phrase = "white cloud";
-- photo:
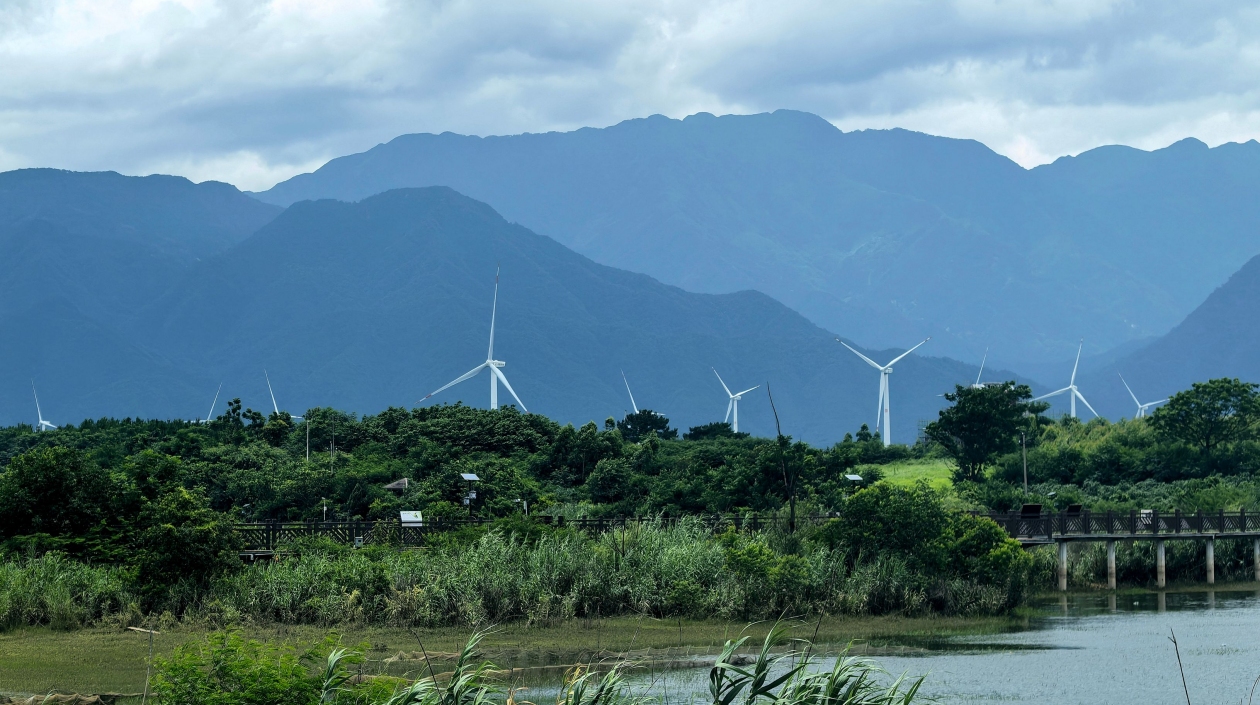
(252, 92)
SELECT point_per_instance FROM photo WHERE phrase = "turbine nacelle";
(733, 404)
(1071, 390)
(496, 363)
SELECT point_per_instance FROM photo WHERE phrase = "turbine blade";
(1053, 394)
(898, 358)
(457, 380)
(1077, 364)
(499, 373)
(272, 393)
(747, 391)
(869, 361)
(982, 361)
(623, 379)
(493, 310)
(729, 404)
(38, 412)
(1126, 386)
(1082, 398)
(216, 401)
(728, 389)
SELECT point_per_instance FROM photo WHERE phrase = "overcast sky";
(254, 92)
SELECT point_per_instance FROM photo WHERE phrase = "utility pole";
(308, 439)
(1023, 448)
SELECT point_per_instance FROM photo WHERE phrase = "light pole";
(1023, 449)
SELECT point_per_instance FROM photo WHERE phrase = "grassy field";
(907, 472)
(39, 661)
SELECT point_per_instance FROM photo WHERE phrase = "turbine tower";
(632, 404)
(496, 373)
(1141, 408)
(733, 404)
(882, 410)
(1074, 393)
(43, 425)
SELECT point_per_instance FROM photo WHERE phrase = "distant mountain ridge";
(376, 303)
(1220, 338)
(884, 235)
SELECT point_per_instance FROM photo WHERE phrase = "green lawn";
(936, 471)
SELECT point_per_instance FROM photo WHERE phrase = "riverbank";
(101, 660)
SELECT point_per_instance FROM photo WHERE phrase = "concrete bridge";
(1032, 527)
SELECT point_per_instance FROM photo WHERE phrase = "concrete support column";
(1211, 561)
(1111, 565)
(1159, 563)
(1255, 551)
(1063, 567)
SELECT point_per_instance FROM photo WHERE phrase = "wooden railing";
(1132, 523)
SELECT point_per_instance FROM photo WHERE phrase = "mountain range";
(375, 303)
(884, 236)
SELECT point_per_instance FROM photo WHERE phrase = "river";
(1090, 649)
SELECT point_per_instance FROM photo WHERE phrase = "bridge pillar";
(1111, 565)
(1063, 566)
(1255, 550)
(1159, 563)
(1211, 561)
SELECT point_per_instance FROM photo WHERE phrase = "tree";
(983, 423)
(710, 431)
(639, 424)
(55, 491)
(1209, 414)
(181, 537)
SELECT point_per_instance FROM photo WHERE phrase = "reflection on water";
(1091, 648)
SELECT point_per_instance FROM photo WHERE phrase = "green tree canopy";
(982, 424)
(1210, 414)
(639, 424)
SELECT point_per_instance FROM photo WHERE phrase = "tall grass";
(61, 592)
(676, 570)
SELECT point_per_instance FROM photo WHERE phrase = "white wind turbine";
(1073, 392)
(882, 411)
(43, 425)
(1141, 408)
(733, 404)
(496, 374)
(274, 406)
(623, 379)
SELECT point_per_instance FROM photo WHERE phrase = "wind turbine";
(882, 410)
(733, 404)
(623, 379)
(1074, 393)
(496, 374)
(43, 425)
(1141, 408)
(216, 401)
(274, 406)
(977, 385)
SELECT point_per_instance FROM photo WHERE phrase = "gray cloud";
(252, 93)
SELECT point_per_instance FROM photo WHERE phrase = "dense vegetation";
(113, 519)
(226, 669)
